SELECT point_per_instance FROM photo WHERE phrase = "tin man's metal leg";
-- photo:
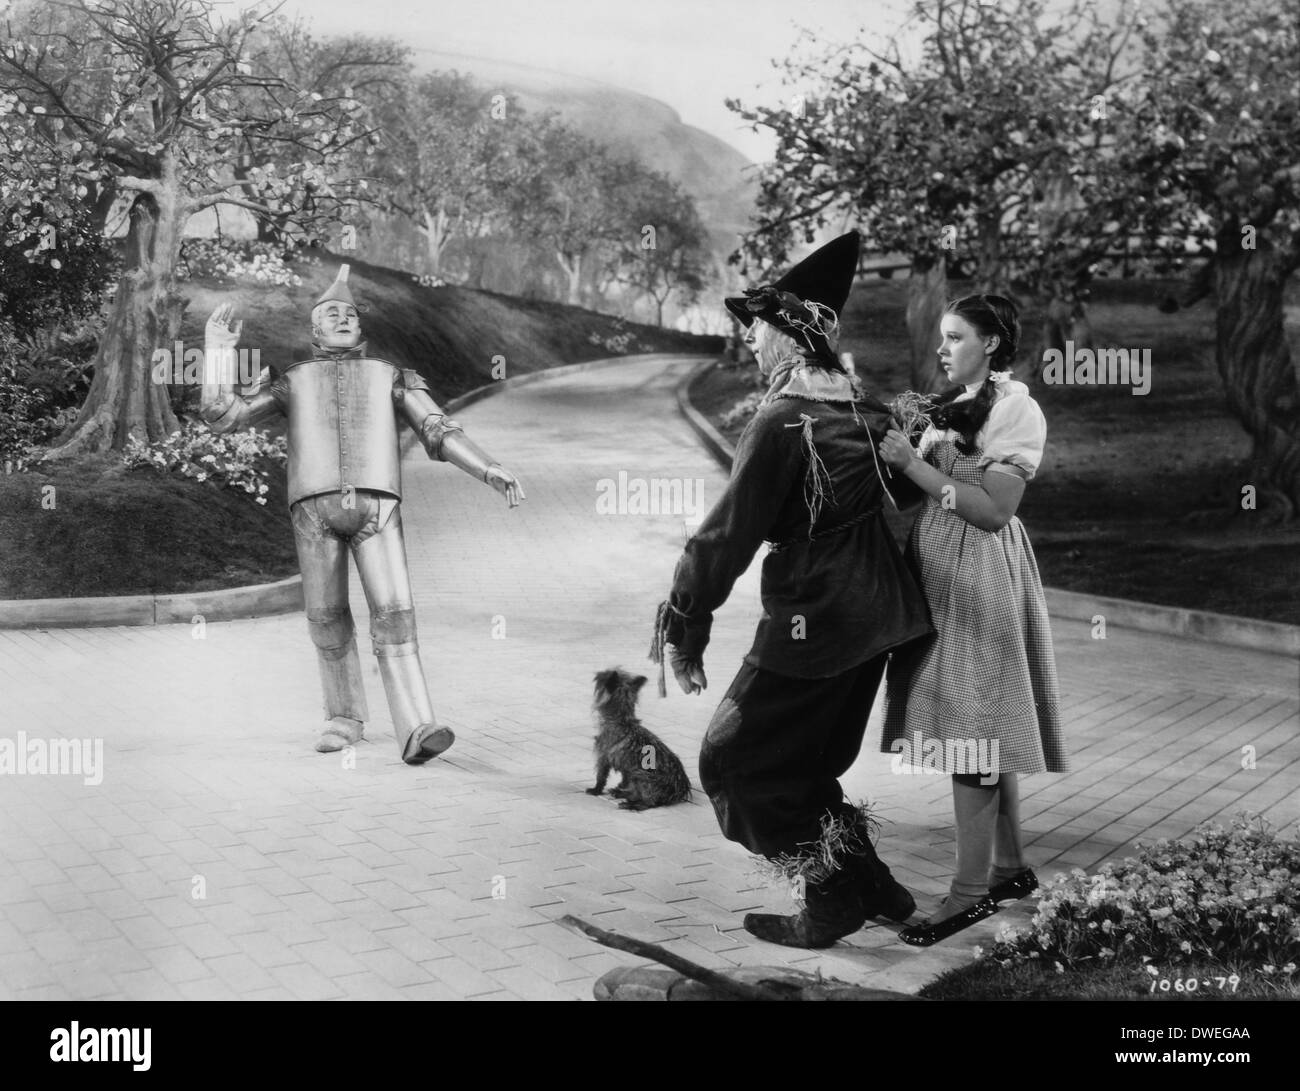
(322, 558)
(381, 561)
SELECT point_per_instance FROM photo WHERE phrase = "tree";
(669, 253)
(1218, 119)
(186, 96)
(954, 156)
(371, 71)
(567, 202)
(452, 159)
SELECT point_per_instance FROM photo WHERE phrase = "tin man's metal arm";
(219, 405)
(445, 440)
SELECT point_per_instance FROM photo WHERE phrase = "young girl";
(983, 698)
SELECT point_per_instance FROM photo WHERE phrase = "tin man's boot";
(381, 562)
(340, 675)
(419, 737)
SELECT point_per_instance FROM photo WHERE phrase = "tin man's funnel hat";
(338, 291)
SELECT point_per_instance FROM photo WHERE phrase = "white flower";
(1005, 377)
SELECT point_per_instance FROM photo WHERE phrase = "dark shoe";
(832, 910)
(882, 894)
(892, 901)
(927, 934)
(1018, 886)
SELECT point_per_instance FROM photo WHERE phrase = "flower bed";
(1220, 893)
(237, 461)
(1215, 914)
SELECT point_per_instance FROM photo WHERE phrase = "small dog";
(652, 774)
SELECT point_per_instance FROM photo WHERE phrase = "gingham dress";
(990, 673)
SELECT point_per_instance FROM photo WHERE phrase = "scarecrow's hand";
(688, 672)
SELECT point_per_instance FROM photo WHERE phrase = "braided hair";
(990, 315)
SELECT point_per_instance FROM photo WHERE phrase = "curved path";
(221, 857)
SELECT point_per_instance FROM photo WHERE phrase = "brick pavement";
(222, 858)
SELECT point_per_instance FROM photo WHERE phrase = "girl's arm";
(990, 505)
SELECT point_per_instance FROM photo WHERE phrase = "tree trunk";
(477, 264)
(988, 277)
(927, 295)
(124, 400)
(268, 230)
(435, 236)
(1065, 318)
(1255, 364)
(573, 270)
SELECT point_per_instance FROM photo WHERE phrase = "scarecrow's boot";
(882, 894)
(832, 910)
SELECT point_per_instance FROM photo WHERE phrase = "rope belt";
(839, 528)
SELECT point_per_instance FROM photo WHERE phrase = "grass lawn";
(1138, 496)
(117, 532)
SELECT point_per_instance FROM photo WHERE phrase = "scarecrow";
(837, 598)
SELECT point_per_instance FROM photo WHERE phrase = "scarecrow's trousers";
(775, 750)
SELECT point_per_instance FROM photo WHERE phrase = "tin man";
(345, 489)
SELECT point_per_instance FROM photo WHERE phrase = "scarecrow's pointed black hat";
(803, 301)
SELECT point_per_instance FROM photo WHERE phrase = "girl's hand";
(896, 451)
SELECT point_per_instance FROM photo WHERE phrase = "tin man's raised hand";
(220, 336)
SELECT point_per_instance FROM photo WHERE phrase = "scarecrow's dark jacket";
(828, 604)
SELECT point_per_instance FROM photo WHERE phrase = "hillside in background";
(710, 170)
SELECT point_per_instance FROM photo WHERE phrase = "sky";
(691, 54)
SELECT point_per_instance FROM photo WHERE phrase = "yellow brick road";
(221, 857)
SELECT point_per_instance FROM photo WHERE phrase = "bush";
(1231, 895)
(44, 377)
(741, 412)
(230, 259)
(67, 285)
(238, 460)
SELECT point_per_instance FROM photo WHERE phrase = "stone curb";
(236, 603)
(1234, 632)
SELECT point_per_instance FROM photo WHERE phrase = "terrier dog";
(652, 774)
